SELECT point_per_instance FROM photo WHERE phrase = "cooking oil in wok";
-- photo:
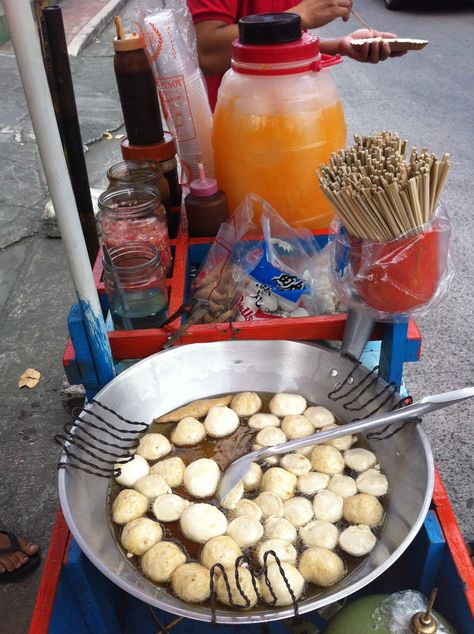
(224, 451)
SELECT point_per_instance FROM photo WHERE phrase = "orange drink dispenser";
(278, 117)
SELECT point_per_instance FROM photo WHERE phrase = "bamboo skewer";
(378, 192)
(361, 21)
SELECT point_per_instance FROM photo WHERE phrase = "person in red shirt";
(216, 28)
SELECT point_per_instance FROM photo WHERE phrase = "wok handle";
(405, 414)
(356, 334)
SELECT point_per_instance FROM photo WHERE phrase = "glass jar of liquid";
(134, 213)
(135, 284)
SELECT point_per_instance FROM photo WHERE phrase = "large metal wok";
(169, 379)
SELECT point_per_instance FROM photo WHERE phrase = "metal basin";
(169, 379)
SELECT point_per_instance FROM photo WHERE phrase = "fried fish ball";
(140, 535)
(196, 409)
(319, 416)
(169, 507)
(152, 486)
(236, 597)
(359, 459)
(342, 484)
(327, 459)
(279, 528)
(298, 511)
(220, 550)
(221, 421)
(319, 533)
(278, 585)
(153, 446)
(270, 504)
(321, 566)
(248, 508)
(189, 431)
(296, 463)
(132, 471)
(305, 451)
(283, 549)
(245, 531)
(128, 505)
(311, 483)
(201, 477)
(363, 509)
(287, 404)
(261, 421)
(342, 443)
(234, 495)
(270, 436)
(328, 506)
(246, 403)
(296, 426)
(372, 482)
(279, 481)
(191, 583)
(161, 561)
(201, 522)
(171, 470)
(253, 477)
(357, 540)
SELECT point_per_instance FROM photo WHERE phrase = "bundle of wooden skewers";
(377, 192)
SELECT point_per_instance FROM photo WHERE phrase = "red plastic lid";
(162, 151)
(307, 47)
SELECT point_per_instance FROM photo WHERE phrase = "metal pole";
(28, 54)
(55, 43)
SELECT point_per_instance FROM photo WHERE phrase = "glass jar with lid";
(135, 284)
(134, 213)
(149, 173)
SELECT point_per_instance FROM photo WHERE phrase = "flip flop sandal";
(31, 564)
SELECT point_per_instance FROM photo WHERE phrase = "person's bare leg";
(13, 561)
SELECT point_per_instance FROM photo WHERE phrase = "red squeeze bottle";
(137, 89)
(206, 206)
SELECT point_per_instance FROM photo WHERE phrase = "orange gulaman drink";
(276, 157)
(274, 124)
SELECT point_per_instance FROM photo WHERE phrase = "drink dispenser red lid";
(269, 40)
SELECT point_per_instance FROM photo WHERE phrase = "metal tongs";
(237, 469)
(195, 309)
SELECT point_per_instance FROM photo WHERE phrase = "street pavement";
(426, 96)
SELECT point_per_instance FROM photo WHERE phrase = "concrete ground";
(427, 97)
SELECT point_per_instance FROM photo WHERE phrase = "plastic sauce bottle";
(137, 89)
(206, 206)
(278, 117)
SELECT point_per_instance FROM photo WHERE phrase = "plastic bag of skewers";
(254, 273)
(390, 250)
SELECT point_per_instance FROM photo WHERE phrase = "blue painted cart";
(74, 597)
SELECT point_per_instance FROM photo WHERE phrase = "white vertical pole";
(35, 84)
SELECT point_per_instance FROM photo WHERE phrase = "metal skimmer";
(106, 451)
(243, 559)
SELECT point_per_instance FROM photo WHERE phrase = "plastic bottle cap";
(126, 41)
(203, 186)
(270, 28)
(162, 151)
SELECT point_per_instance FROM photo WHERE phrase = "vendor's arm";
(215, 36)
(372, 53)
